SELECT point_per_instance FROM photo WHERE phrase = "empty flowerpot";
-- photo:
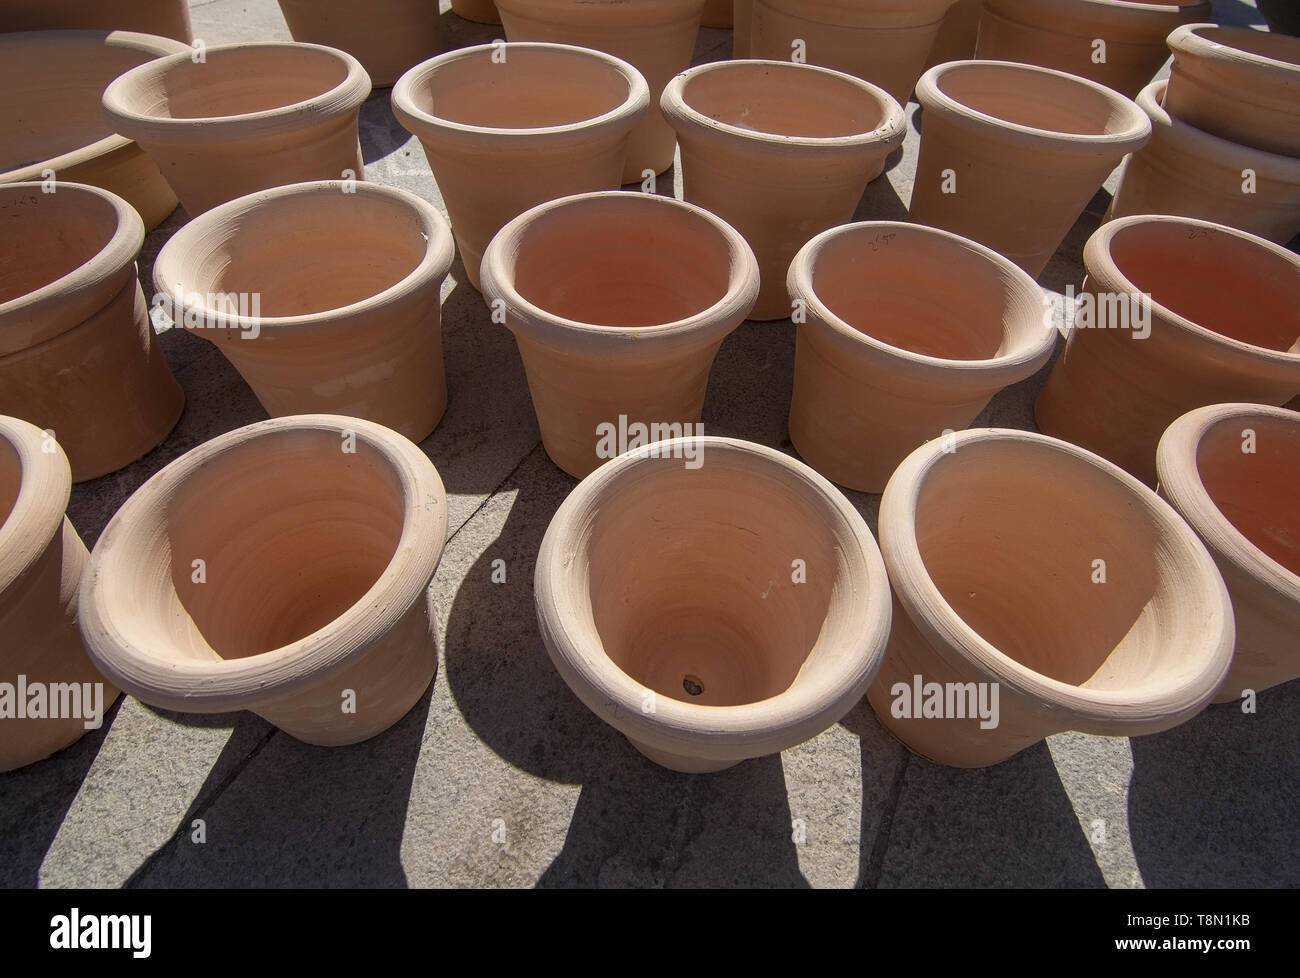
(324, 296)
(1119, 43)
(479, 11)
(51, 83)
(908, 333)
(247, 117)
(957, 36)
(1182, 313)
(386, 36)
(742, 15)
(717, 13)
(714, 613)
(781, 152)
(1231, 470)
(281, 568)
(885, 42)
(1039, 589)
(508, 127)
(657, 36)
(78, 354)
(1011, 154)
(50, 694)
(165, 18)
(618, 302)
(1188, 172)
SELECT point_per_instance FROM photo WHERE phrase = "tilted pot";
(1232, 470)
(713, 613)
(956, 38)
(479, 11)
(248, 117)
(1011, 172)
(1038, 589)
(164, 18)
(508, 127)
(781, 152)
(386, 36)
(324, 296)
(281, 568)
(1222, 326)
(909, 333)
(618, 302)
(78, 354)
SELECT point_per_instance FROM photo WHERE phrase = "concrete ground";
(499, 737)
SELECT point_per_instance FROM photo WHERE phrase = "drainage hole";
(692, 685)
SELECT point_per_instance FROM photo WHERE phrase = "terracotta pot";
(165, 18)
(78, 354)
(1043, 575)
(1020, 170)
(251, 116)
(496, 151)
(749, 619)
(884, 42)
(909, 333)
(337, 294)
(1283, 16)
(41, 560)
(1239, 84)
(386, 36)
(781, 152)
(1191, 173)
(717, 13)
(310, 597)
(619, 302)
(50, 86)
(657, 36)
(1222, 327)
(1062, 34)
(957, 37)
(1231, 470)
(742, 16)
(479, 11)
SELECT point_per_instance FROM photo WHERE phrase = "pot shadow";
(1237, 13)
(380, 133)
(1212, 803)
(1066, 264)
(880, 201)
(456, 32)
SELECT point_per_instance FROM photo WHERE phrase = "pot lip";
(1191, 39)
(1181, 482)
(436, 263)
(193, 685)
(1119, 8)
(934, 99)
(497, 279)
(345, 96)
(914, 9)
(1101, 266)
(1021, 363)
(38, 513)
(724, 732)
(622, 117)
(683, 115)
(915, 589)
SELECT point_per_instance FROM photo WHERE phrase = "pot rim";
(719, 732)
(1180, 481)
(1190, 39)
(912, 13)
(38, 513)
(886, 137)
(622, 117)
(226, 218)
(346, 96)
(608, 13)
(1153, 15)
(497, 277)
(933, 616)
(201, 686)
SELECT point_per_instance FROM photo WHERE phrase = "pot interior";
(1038, 99)
(44, 237)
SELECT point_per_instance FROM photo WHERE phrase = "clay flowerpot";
(909, 333)
(1220, 325)
(957, 37)
(386, 36)
(250, 116)
(325, 298)
(1011, 172)
(657, 36)
(78, 354)
(781, 152)
(165, 18)
(1039, 589)
(619, 302)
(717, 13)
(1188, 172)
(41, 560)
(479, 11)
(742, 16)
(1238, 84)
(884, 42)
(712, 614)
(1119, 43)
(51, 83)
(501, 136)
(280, 568)
(1231, 470)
